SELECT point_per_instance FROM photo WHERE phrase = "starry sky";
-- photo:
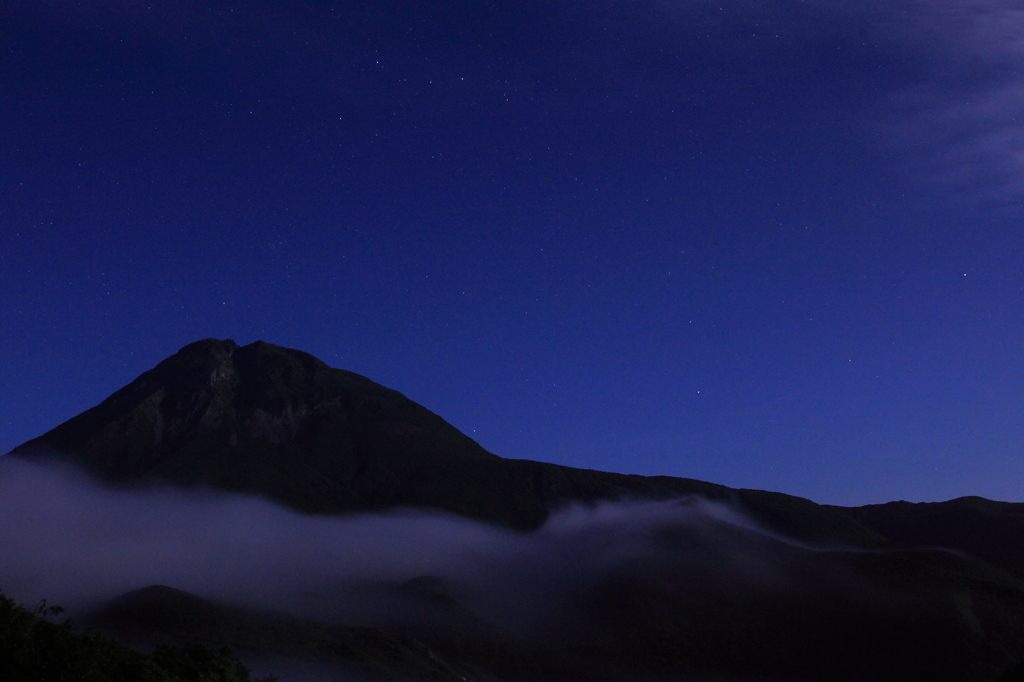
(770, 244)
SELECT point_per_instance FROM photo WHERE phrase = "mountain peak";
(258, 418)
(279, 423)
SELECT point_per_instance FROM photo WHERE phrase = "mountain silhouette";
(279, 423)
(885, 592)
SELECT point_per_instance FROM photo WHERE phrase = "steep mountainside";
(280, 423)
(864, 593)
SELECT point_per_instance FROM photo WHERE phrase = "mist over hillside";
(598, 592)
(76, 541)
(257, 498)
(70, 538)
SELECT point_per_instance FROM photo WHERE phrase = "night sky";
(774, 245)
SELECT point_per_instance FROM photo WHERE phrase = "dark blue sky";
(768, 244)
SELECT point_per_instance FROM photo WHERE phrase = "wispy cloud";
(949, 99)
(965, 121)
(953, 116)
(972, 143)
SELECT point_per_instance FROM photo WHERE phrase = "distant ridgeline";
(279, 423)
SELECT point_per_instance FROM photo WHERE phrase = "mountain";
(280, 423)
(898, 591)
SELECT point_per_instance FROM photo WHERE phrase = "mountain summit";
(280, 423)
(864, 593)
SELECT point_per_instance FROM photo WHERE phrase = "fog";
(607, 582)
(77, 543)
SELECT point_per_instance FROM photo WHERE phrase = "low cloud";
(594, 590)
(69, 540)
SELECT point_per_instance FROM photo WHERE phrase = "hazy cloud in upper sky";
(966, 120)
(955, 119)
(953, 114)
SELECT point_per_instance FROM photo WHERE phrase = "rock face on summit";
(280, 423)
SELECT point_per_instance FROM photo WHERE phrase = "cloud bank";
(594, 590)
(75, 543)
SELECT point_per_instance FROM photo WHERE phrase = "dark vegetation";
(1013, 674)
(929, 591)
(157, 615)
(681, 610)
(35, 648)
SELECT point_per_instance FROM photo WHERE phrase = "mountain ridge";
(280, 423)
(888, 592)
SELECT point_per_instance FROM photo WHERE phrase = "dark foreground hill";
(163, 616)
(35, 647)
(682, 611)
(885, 592)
